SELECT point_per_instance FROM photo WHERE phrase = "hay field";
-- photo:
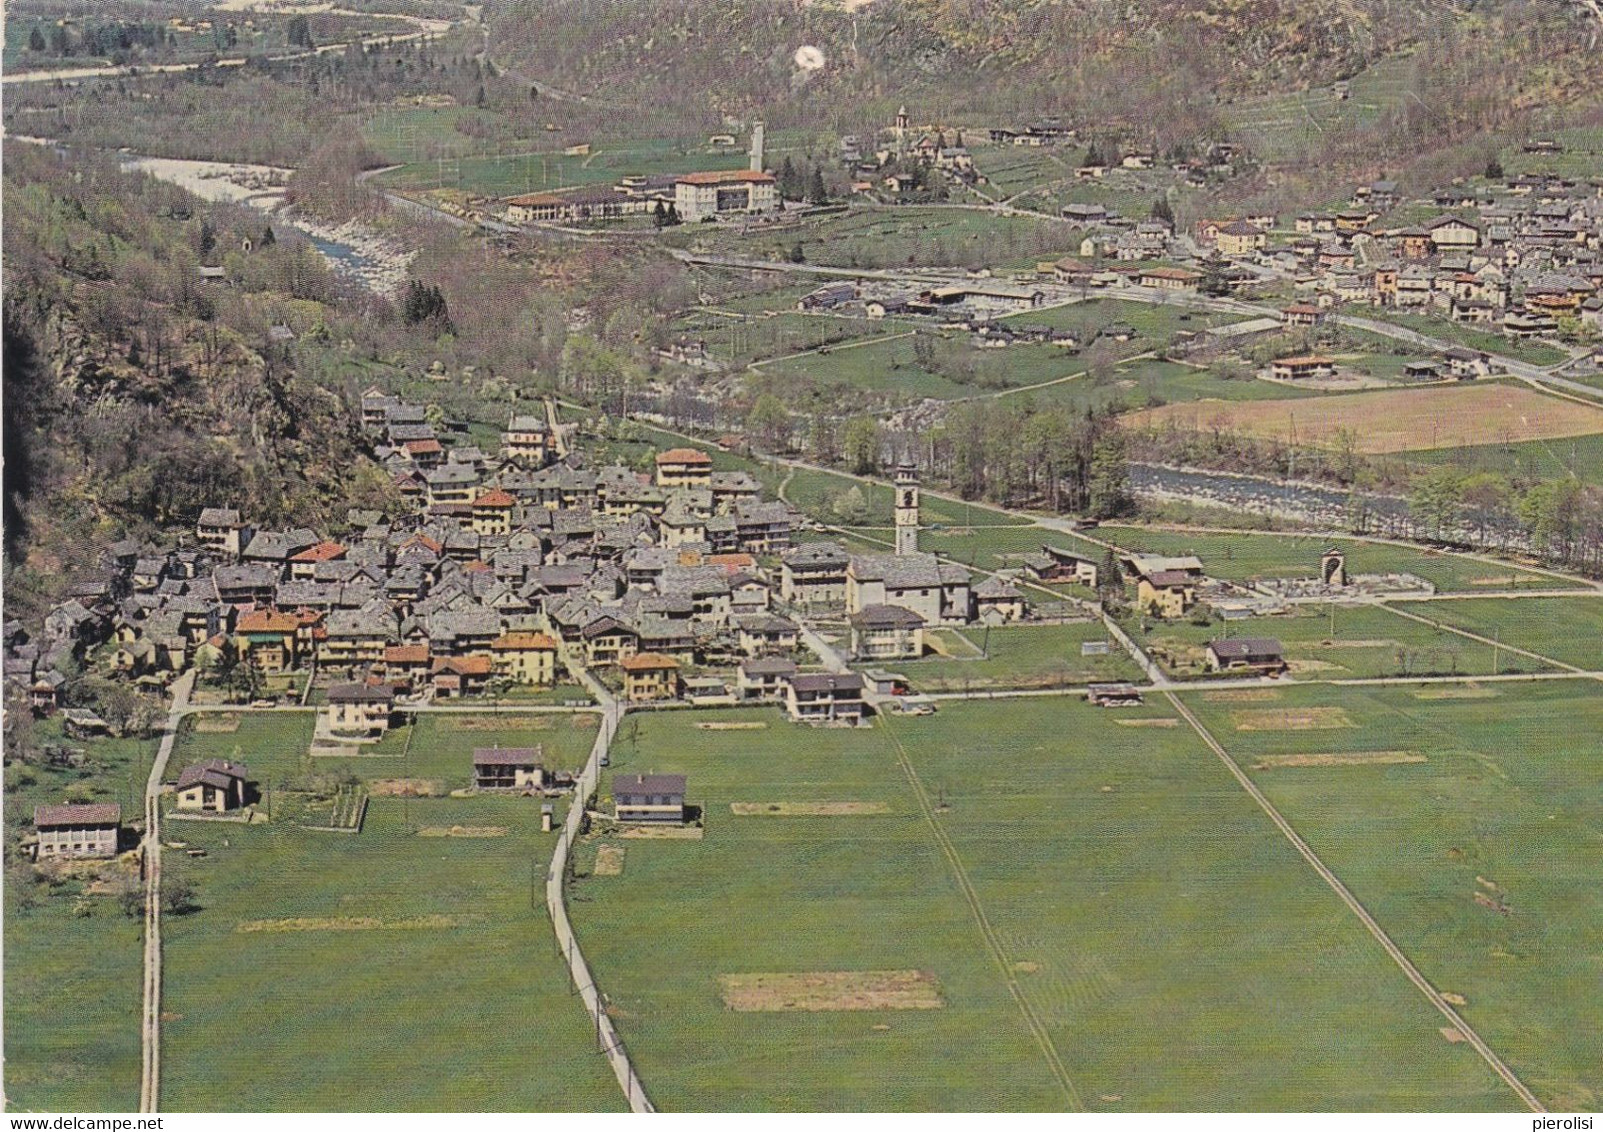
(1393, 420)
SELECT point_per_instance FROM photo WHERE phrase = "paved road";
(1414, 976)
(556, 902)
(150, 853)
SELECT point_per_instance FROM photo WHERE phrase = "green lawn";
(1527, 351)
(1018, 656)
(456, 1000)
(1568, 629)
(1578, 456)
(1178, 953)
(438, 746)
(1481, 863)
(72, 958)
(812, 490)
(1239, 557)
(890, 366)
(1340, 642)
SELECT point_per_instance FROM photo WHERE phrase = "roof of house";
(683, 456)
(634, 785)
(213, 772)
(725, 176)
(514, 642)
(648, 662)
(94, 813)
(495, 497)
(827, 682)
(886, 617)
(1245, 648)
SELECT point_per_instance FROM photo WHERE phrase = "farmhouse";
(213, 786)
(1170, 278)
(997, 600)
(649, 676)
(1261, 654)
(658, 798)
(508, 768)
(1302, 366)
(763, 678)
(526, 658)
(77, 831)
(359, 709)
(684, 467)
(703, 196)
(935, 590)
(887, 632)
(1054, 564)
(1166, 587)
(1238, 238)
(813, 575)
(825, 697)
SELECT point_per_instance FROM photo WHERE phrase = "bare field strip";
(1469, 693)
(501, 722)
(831, 990)
(732, 725)
(663, 833)
(609, 861)
(1292, 719)
(1242, 696)
(405, 788)
(1166, 721)
(1340, 758)
(225, 724)
(808, 809)
(1402, 420)
(350, 924)
(462, 831)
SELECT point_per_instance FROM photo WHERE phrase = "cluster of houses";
(508, 569)
(1517, 257)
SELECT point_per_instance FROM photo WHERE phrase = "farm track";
(988, 932)
(1432, 995)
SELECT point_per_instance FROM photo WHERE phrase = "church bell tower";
(906, 509)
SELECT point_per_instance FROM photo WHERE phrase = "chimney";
(757, 146)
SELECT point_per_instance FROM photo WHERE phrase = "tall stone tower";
(757, 146)
(906, 509)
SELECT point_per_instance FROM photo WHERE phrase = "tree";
(425, 305)
(796, 254)
(862, 443)
(268, 239)
(850, 507)
(1110, 477)
(178, 898)
(36, 41)
(208, 239)
(1093, 156)
(924, 351)
(1494, 169)
(1110, 583)
(1215, 279)
(659, 215)
(823, 445)
(769, 420)
(1162, 210)
(790, 187)
(816, 192)
(1437, 499)
(299, 32)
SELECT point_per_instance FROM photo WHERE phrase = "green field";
(1481, 863)
(741, 341)
(1017, 656)
(812, 489)
(1341, 642)
(1284, 127)
(1567, 629)
(1239, 557)
(960, 370)
(865, 236)
(1111, 865)
(72, 958)
(418, 967)
(1578, 456)
(1527, 351)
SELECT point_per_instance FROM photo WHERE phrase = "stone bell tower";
(906, 509)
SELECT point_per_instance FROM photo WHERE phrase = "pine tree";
(208, 239)
(816, 192)
(1161, 210)
(659, 215)
(268, 239)
(36, 40)
(789, 189)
